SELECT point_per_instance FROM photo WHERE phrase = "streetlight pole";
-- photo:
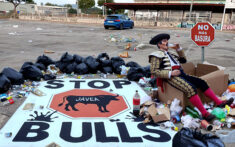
(191, 7)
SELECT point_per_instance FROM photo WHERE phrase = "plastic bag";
(5, 83)
(117, 62)
(147, 72)
(66, 57)
(107, 69)
(45, 60)
(31, 72)
(78, 59)
(70, 68)
(49, 77)
(191, 138)
(61, 65)
(81, 69)
(92, 64)
(134, 74)
(132, 64)
(40, 66)
(14, 76)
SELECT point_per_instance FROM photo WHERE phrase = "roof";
(218, 8)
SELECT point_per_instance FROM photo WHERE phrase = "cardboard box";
(159, 114)
(215, 78)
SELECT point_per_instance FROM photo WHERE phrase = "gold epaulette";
(158, 54)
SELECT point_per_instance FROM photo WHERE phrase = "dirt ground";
(22, 41)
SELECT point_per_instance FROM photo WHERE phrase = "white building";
(33, 9)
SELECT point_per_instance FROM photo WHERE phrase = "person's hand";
(175, 72)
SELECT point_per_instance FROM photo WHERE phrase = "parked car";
(118, 21)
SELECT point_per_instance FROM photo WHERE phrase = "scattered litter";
(30, 41)
(53, 144)
(124, 55)
(15, 26)
(39, 29)
(206, 125)
(49, 51)
(9, 134)
(12, 33)
(29, 106)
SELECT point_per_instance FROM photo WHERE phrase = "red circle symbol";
(88, 103)
(203, 33)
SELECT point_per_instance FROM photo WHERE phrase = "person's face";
(163, 44)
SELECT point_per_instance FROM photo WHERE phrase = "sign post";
(203, 34)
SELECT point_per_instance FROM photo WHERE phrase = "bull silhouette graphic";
(99, 100)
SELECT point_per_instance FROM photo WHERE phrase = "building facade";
(33, 9)
(175, 15)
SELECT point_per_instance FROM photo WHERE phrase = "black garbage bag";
(40, 66)
(66, 57)
(31, 72)
(135, 73)
(45, 60)
(92, 64)
(78, 59)
(62, 65)
(153, 82)
(26, 64)
(103, 56)
(70, 68)
(116, 63)
(14, 76)
(5, 83)
(132, 64)
(49, 77)
(107, 69)
(147, 72)
(191, 138)
(81, 69)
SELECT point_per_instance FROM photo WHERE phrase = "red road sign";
(203, 33)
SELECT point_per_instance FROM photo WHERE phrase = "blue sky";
(61, 2)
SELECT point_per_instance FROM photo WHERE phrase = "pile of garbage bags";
(70, 64)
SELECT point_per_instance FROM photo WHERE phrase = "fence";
(99, 19)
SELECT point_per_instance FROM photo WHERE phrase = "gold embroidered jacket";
(160, 63)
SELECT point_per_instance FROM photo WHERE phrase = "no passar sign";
(203, 33)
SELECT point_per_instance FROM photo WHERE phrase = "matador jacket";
(161, 65)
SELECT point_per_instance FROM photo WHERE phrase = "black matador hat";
(156, 39)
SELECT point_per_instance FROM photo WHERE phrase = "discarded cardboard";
(124, 55)
(216, 79)
(159, 114)
(28, 106)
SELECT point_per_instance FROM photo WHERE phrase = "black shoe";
(226, 102)
(209, 117)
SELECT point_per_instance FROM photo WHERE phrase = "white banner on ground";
(82, 112)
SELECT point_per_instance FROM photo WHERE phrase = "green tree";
(17, 2)
(101, 2)
(68, 5)
(72, 11)
(86, 4)
(50, 4)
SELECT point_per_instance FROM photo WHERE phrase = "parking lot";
(22, 41)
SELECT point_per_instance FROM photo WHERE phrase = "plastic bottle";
(37, 92)
(136, 104)
(192, 112)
